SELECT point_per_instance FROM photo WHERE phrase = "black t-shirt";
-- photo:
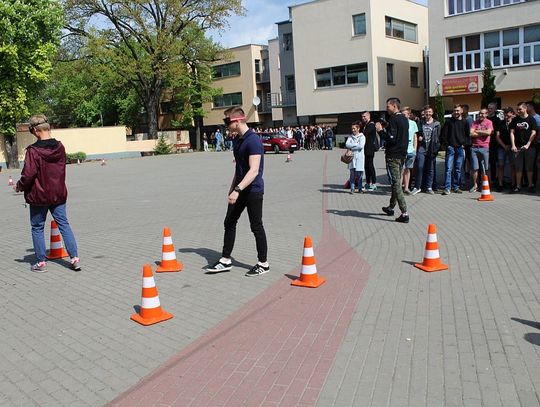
(496, 123)
(504, 130)
(523, 128)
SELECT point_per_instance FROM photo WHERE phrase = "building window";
(258, 76)
(287, 42)
(414, 77)
(223, 71)
(390, 74)
(289, 83)
(228, 100)
(504, 48)
(342, 75)
(469, 6)
(359, 24)
(400, 29)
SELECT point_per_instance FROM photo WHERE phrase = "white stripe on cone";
(312, 269)
(148, 282)
(150, 302)
(56, 245)
(167, 240)
(169, 256)
(431, 254)
(55, 232)
(432, 238)
(308, 252)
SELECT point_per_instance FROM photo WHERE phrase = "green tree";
(143, 41)
(162, 147)
(488, 90)
(439, 106)
(29, 37)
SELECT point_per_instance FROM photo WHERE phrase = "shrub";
(162, 147)
(76, 156)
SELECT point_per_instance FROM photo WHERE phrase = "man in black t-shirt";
(522, 134)
(505, 156)
(492, 116)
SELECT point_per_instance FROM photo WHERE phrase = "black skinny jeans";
(371, 176)
(254, 204)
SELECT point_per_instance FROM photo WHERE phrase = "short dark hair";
(521, 104)
(394, 101)
(426, 107)
(509, 109)
(235, 111)
(531, 104)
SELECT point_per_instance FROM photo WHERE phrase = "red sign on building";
(457, 86)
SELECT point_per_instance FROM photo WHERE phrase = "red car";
(278, 142)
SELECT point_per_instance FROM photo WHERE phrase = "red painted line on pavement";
(275, 350)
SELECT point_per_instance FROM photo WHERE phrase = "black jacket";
(396, 136)
(455, 132)
(372, 141)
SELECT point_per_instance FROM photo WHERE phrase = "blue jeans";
(425, 162)
(355, 175)
(38, 215)
(453, 163)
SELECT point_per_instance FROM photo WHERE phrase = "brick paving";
(468, 336)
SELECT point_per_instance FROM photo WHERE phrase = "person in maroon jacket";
(43, 181)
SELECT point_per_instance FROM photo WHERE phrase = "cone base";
(169, 269)
(439, 267)
(60, 255)
(489, 198)
(311, 284)
(150, 321)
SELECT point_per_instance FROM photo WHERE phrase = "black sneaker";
(531, 189)
(219, 267)
(257, 270)
(389, 211)
(457, 191)
(499, 188)
(403, 219)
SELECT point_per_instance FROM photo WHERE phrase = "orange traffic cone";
(168, 258)
(308, 275)
(486, 193)
(432, 259)
(151, 311)
(57, 248)
(289, 159)
(10, 181)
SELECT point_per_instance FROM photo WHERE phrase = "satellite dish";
(256, 101)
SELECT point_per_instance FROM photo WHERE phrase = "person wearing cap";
(43, 181)
(246, 191)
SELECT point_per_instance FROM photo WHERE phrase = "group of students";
(488, 145)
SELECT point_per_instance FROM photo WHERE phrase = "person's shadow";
(531, 337)
(31, 259)
(212, 256)
(357, 214)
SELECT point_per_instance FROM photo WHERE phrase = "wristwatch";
(237, 189)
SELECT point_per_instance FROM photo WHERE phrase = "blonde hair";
(39, 122)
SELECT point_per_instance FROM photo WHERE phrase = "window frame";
(359, 34)
(391, 24)
(350, 71)
(416, 82)
(458, 7)
(390, 74)
(501, 56)
(222, 67)
(224, 105)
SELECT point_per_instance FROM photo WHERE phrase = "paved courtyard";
(379, 332)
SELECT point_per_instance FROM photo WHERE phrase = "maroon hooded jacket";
(43, 177)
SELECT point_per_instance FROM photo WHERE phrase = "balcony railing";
(262, 77)
(282, 99)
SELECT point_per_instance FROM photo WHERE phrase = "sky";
(258, 25)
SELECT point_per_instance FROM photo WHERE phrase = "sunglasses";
(228, 120)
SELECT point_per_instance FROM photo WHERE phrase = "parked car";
(278, 142)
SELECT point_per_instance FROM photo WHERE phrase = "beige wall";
(403, 54)
(244, 83)
(335, 45)
(275, 74)
(441, 28)
(106, 142)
